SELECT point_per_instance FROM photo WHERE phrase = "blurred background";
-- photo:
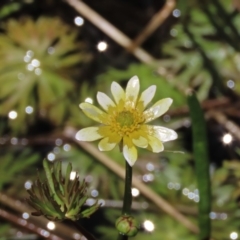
(56, 54)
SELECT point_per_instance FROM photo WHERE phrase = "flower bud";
(127, 225)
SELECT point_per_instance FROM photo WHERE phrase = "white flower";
(125, 120)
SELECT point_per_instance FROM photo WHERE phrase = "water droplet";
(24, 141)
(26, 59)
(14, 141)
(51, 156)
(29, 109)
(25, 215)
(30, 53)
(66, 147)
(78, 21)
(102, 46)
(29, 67)
(51, 225)
(44, 233)
(51, 50)
(150, 167)
(35, 62)
(166, 118)
(12, 114)
(58, 142)
(135, 192)
(173, 32)
(230, 83)
(94, 193)
(176, 13)
(73, 175)
(148, 225)
(28, 184)
(38, 71)
(21, 76)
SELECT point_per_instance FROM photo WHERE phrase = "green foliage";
(4, 229)
(202, 167)
(174, 179)
(9, 9)
(202, 53)
(38, 69)
(227, 182)
(198, 55)
(146, 75)
(59, 197)
(163, 227)
(173, 174)
(97, 175)
(12, 164)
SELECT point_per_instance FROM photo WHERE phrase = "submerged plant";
(36, 74)
(59, 197)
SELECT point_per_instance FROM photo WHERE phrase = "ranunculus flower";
(125, 120)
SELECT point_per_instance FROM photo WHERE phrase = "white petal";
(140, 142)
(129, 151)
(106, 131)
(147, 95)
(156, 144)
(130, 154)
(105, 101)
(104, 145)
(117, 92)
(158, 109)
(88, 134)
(164, 134)
(93, 112)
(132, 91)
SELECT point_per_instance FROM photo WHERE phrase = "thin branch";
(120, 38)
(109, 29)
(228, 124)
(28, 225)
(145, 190)
(236, 4)
(155, 22)
(206, 105)
(20, 207)
(86, 233)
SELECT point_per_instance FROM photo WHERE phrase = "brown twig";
(228, 124)
(206, 105)
(120, 38)
(236, 4)
(28, 225)
(110, 30)
(61, 229)
(86, 233)
(154, 23)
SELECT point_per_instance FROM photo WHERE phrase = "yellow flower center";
(126, 121)
(125, 118)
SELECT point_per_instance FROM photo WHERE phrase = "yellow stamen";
(126, 121)
(125, 118)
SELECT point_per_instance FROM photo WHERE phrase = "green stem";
(127, 201)
(200, 151)
(84, 231)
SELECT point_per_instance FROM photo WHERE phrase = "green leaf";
(9, 9)
(51, 44)
(13, 163)
(200, 151)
